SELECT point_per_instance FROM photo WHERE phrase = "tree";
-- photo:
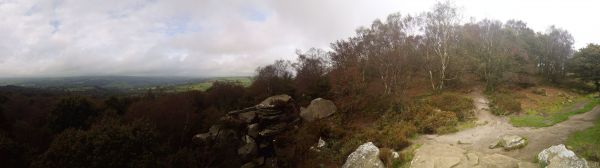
(109, 143)
(555, 47)
(118, 104)
(586, 64)
(71, 112)
(311, 67)
(272, 79)
(441, 35)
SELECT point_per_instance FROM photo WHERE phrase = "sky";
(205, 38)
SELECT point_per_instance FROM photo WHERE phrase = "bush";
(395, 135)
(106, 144)
(386, 155)
(460, 105)
(504, 104)
(439, 122)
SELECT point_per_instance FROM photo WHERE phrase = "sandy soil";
(491, 127)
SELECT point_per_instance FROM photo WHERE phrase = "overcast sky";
(220, 37)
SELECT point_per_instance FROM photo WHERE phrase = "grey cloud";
(177, 37)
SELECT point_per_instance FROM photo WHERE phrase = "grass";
(534, 119)
(586, 143)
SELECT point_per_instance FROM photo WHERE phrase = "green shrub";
(504, 104)
(460, 105)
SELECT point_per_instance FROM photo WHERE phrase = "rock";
(438, 155)
(248, 165)
(318, 108)
(365, 156)
(527, 165)
(277, 98)
(214, 130)
(395, 155)
(249, 148)
(247, 117)
(202, 138)
(499, 161)
(273, 129)
(321, 143)
(259, 160)
(510, 142)
(253, 130)
(559, 156)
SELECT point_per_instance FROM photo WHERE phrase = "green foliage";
(586, 64)
(109, 143)
(71, 112)
(536, 120)
(586, 143)
(504, 103)
(460, 105)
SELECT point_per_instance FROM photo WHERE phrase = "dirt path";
(491, 127)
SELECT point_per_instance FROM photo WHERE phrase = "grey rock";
(319, 108)
(249, 165)
(273, 129)
(247, 117)
(253, 130)
(277, 98)
(202, 138)
(249, 148)
(365, 156)
(510, 142)
(559, 156)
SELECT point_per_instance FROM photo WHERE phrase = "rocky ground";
(475, 142)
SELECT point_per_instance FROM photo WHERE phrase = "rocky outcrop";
(253, 130)
(437, 155)
(318, 108)
(509, 142)
(365, 156)
(559, 156)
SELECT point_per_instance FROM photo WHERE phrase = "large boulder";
(318, 108)
(510, 142)
(559, 156)
(282, 98)
(365, 156)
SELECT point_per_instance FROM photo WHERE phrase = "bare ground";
(490, 127)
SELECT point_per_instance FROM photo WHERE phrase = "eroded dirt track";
(490, 127)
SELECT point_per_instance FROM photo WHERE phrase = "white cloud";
(213, 37)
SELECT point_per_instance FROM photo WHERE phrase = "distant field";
(121, 83)
(202, 86)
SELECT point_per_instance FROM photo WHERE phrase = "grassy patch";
(586, 143)
(533, 119)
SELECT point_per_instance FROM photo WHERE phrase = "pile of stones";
(253, 130)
